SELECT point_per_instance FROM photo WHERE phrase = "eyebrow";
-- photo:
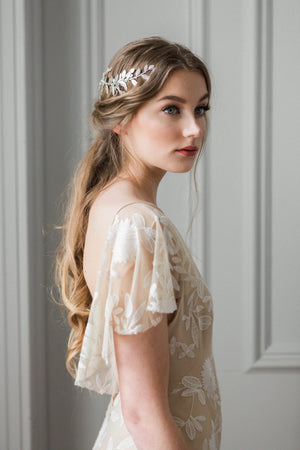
(180, 99)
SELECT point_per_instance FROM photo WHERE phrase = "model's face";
(171, 121)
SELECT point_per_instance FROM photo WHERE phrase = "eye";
(201, 110)
(171, 110)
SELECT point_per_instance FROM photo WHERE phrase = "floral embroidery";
(146, 271)
(207, 299)
(191, 386)
(209, 381)
(187, 350)
(192, 425)
(125, 244)
(195, 322)
(172, 345)
(214, 441)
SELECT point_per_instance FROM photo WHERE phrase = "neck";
(144, 181)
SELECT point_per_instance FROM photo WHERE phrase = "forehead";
(184, 83)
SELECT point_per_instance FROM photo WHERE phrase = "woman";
(140, 312)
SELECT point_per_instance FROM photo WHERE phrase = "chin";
(182, 168)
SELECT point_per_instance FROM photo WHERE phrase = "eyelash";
(205, 108)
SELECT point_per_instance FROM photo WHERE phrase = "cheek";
(159, 130)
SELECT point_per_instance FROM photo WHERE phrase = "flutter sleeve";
(133, 290)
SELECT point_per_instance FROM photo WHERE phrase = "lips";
(189, 148)
(188, 151)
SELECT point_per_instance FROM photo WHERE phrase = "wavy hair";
(102, 164)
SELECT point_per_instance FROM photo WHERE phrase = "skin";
(158, 130)
(163, 126)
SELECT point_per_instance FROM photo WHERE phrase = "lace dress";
(146, 257)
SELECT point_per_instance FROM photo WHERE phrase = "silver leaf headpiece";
(118, 84)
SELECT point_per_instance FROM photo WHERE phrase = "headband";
(118, 84)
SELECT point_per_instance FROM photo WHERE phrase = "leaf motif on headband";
(118, 84)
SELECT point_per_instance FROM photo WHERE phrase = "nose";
(192, 128)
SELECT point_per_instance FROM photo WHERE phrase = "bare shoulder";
(101, 215)
(105, 207)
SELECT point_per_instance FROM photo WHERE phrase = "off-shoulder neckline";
(142, 202)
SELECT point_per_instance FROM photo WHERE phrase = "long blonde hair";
(103, 162)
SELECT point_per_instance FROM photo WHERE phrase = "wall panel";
(253, 189)
(22, 374)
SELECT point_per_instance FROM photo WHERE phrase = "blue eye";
(171, 110)
(201, 110)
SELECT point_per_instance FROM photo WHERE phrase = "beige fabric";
(146, 271)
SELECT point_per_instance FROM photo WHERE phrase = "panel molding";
(15, 410)
(22, 386)
(261, 352)
(14, 277)
(279, 355)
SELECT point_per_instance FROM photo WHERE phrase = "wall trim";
(23, 385)
(261, 352)
(279, 355)
(16, 409)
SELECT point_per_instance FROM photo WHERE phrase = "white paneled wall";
(23, 422)
(254, 216)
(245, 238)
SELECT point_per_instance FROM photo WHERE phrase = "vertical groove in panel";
(18, 211)
(3, 330)
(13, 237)
(265, 153)
(268, 173)
(22, 214)
(17, 108)
(22, 207)
(3, 322)
(251, 181)
(33, 208)
(11, 252)
(258, 295)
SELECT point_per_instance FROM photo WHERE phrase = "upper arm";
(96, 234)
(132, 299)
(143, 370)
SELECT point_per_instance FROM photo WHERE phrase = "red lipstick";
(188, 151)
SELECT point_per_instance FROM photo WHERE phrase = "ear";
(119, 129)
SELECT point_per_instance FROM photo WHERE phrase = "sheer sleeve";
(133, 290)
